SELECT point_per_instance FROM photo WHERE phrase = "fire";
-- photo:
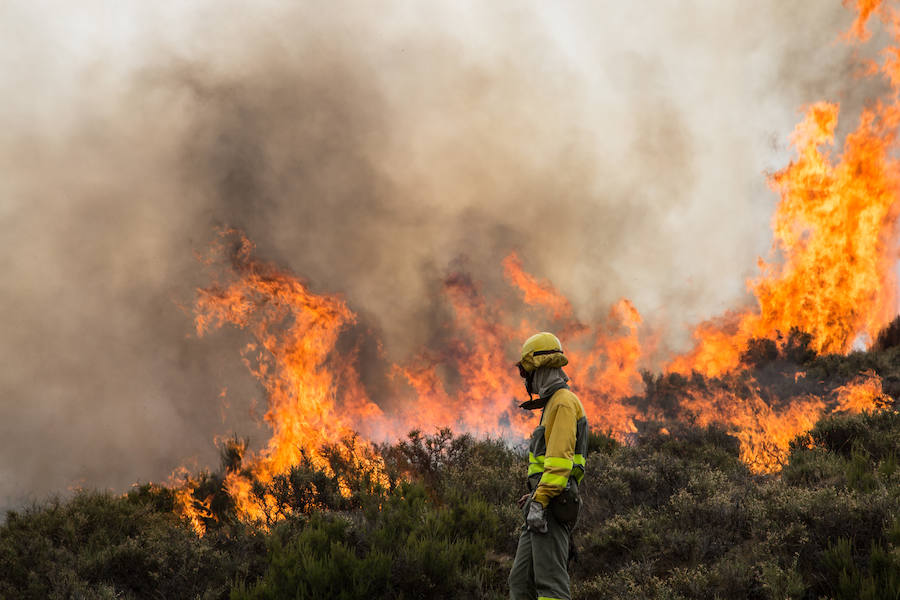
(765, 427)
(836, 227)
(835, 236)
(195, 511)
(763, 430)
(862, 394)
(603, 358)
(864, 10)
(315, 397)
(294, 334)
(830, 276)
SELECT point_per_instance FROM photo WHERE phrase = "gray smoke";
(619, 148)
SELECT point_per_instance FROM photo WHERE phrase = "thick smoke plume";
(618, 148)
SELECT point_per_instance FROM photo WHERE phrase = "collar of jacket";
(541, 402)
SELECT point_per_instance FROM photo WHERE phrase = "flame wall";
(394, 155)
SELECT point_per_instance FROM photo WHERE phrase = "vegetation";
(666, 515)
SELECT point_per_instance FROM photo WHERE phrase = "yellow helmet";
(542, 350)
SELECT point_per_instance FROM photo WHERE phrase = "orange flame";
(315, 397)
(864, 9)
(187, 505)
(862, 394)
(603, 359)
(836, 231)
(831, 276)
(295, 332)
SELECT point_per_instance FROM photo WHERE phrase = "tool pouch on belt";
(566, 505)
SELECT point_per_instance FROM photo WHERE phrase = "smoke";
(619, 148)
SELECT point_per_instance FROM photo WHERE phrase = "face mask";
(529, 387)
(528, 377)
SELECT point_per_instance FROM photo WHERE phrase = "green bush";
(97, 545)
(875, 434)
(664, 515)
(319, 562)
(408, 548)
(851, 576)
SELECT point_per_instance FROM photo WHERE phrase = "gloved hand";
(536, 519)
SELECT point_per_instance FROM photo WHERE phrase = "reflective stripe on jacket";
(558, 446)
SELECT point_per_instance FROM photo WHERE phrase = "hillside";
(670, 512)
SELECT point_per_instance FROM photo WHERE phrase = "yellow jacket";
(558, 446)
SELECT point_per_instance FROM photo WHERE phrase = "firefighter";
(555, 469)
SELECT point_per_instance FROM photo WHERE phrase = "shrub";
(320, 562)
(98, 545)
(409, 548)
(851, 577)
(876, 434)
(672, 515)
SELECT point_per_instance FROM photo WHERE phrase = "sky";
(621, 149)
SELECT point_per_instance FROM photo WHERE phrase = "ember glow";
(830, 275)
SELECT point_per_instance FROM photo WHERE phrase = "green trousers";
(540, 569)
